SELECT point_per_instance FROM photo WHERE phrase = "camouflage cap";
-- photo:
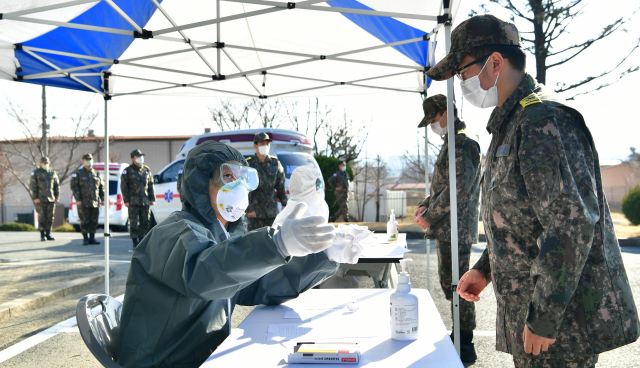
(137, 153)
(432, 106)
(87, 156)
(261, 137)
(44, 160)
(479, 30)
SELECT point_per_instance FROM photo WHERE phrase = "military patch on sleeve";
(248, 158)
(32, 173)
(180, 172)
(334, 174)
(124, 172)
(73, 175)
(530, 100)
(503, 151)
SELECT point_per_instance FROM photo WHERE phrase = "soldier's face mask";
(140, 160)
(264, 150)
(437, 128)
(472, 91)
(88, 163)
(45, 166)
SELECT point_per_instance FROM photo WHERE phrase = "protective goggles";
(228, 176)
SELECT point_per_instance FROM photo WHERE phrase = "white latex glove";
(301, 236)
(359, 232)
(343, 249)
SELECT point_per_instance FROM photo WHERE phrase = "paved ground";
(66, 349)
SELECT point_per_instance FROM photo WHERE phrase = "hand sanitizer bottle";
(404, 308)
(392, 227)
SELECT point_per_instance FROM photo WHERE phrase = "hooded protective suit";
(186, 277)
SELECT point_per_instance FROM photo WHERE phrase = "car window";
(113, 187)
(170, 175)
(290, 162)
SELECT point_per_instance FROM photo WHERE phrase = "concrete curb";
(18, 306)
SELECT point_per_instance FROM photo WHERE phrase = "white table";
(382, 269)
(247, 346)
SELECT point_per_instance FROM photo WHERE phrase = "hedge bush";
(631, 206)
(16, 226)
(64, 228)
(328, 166)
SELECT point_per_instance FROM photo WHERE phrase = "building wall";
(618, 180)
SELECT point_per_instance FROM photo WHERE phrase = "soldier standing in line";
(339, 181)
(88, 190)
(552, 254)
(138, 193)
(45, 192)
(263, 202)
(433, 213)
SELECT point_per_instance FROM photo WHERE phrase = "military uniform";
(340, 179)
(552, 252)
(88, 188)
(136, 185)
(468, 175)
(264, 200)
(45, 186)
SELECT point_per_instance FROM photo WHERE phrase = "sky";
(390, 118)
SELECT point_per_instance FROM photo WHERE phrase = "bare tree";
(230, 114)
(313, 119)
(362, 174)
(379, 167)
(550, 21)
(413, 165)
(267, 113)
(19, 157)
(634, 157)
(344, 140)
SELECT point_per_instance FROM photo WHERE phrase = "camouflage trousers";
(88, 219)
(343, 202)
(138, 221)
(579, 362)
(257, 223)
(46, 212)
(467, 309)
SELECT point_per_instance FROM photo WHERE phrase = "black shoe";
(92, 239)
(49, 237)
(332, 219)
(135, 242)
(42, 236)
(85, 239)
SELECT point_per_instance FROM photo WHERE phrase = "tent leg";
(454, 200)
(218, 34)
(427, 192)
(107, 235)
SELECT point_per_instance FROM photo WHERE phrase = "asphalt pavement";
(66, 348)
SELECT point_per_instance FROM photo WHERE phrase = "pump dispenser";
(392, 227)
(404, 307)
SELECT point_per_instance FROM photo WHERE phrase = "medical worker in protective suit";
(191, 270)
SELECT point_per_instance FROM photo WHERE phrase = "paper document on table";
(284, 332)
(307, 314)
(383, 250)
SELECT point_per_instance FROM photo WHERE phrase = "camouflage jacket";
(44, 185)
(264, 200)
(339, 179)
(468, 175)
(87, 187)
(552, 252)
(136, 185)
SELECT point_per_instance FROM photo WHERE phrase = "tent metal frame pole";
(147, 90)
(69, 54)
(337, 10)
(168, 70)
(240, 69)
(455, 264)
(220, 90)
(75, 77)
(107, 234)
(123, 15)
(50, 7)
(144, 79)
(184, 36)
(303, 90)
(69, 25)
(46, 74)
(168, 53)
(218, 35)
(427, 192)
(229, 18)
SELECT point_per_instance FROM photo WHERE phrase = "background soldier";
(433, 213)
(138, 193)
(339, 181)
(45, 192)
(263, 202)
(562, 291)
(88, 190)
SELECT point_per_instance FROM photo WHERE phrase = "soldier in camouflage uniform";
(88, 190)
(339, 181)
(138, 193)
(552, 252)
(263, 202)
(45, 192)
(436, 218)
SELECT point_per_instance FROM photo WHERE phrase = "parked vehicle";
(118, 213)
(292, 148)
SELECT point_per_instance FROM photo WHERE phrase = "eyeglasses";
(457, 72)
(229, 176)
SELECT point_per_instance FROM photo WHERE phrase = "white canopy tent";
(229, 48)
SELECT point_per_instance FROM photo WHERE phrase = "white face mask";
(88, 163)
(472, 91)
(264, 150)
(140, 160)
(436, 128)
(45, 167)
(232, 203)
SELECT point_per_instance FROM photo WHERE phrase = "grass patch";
(16, 226)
